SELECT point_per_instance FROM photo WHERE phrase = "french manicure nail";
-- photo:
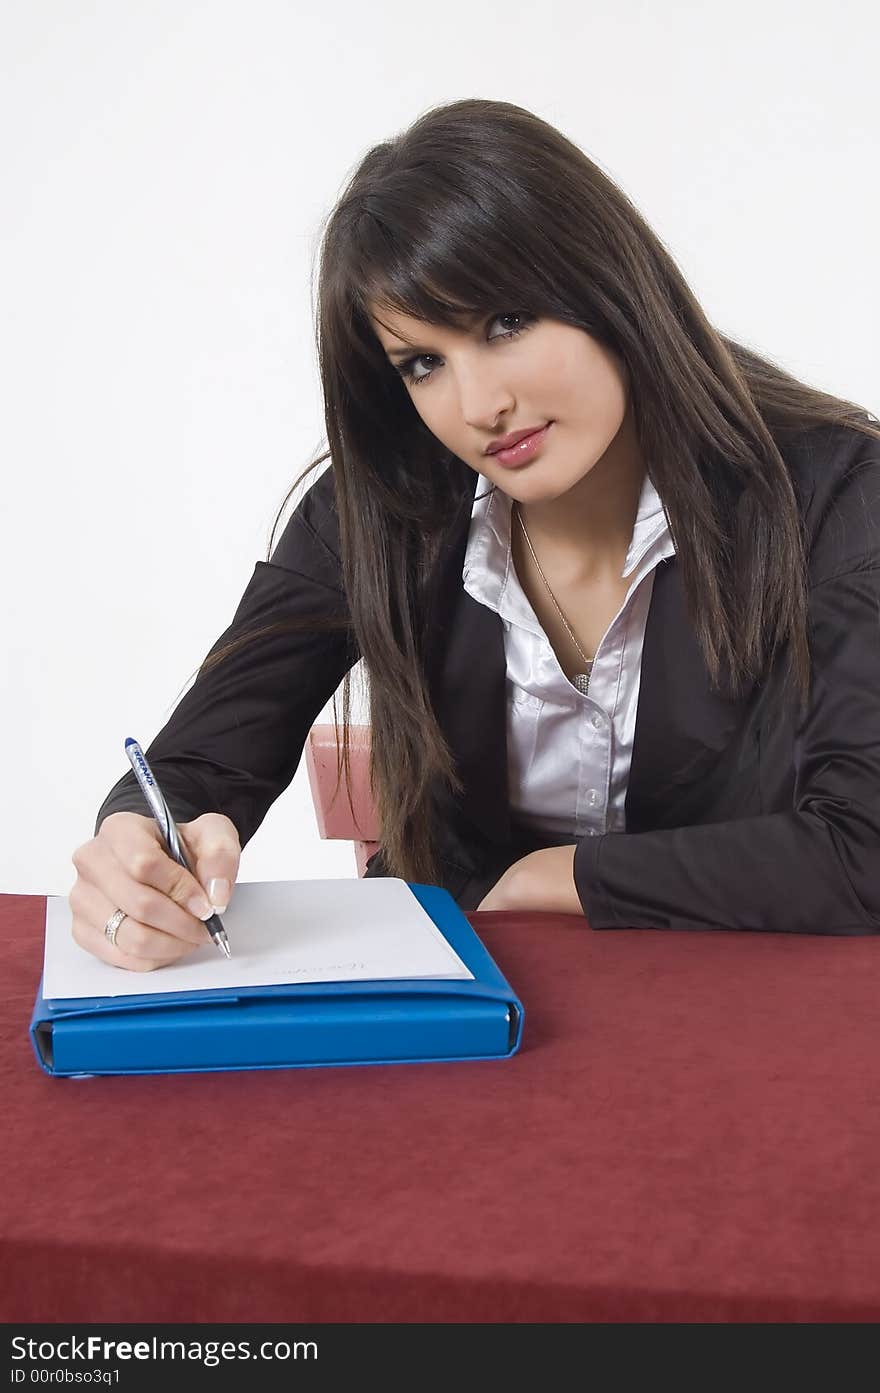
(218, 893)
(199, 906)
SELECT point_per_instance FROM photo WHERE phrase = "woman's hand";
(126, 866)
(543, 880)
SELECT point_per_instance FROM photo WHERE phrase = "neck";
(586, 532)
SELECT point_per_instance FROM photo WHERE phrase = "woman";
(589, 655)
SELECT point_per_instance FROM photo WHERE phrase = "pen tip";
(225, 946)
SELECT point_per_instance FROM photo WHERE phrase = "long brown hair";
(481, 207)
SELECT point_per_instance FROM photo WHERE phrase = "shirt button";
(592, 797)
(597, 720)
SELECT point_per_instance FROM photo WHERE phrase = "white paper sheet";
(279, 931)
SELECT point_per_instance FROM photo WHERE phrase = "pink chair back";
(334, 817)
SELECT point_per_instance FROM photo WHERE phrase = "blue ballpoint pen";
(162, 813)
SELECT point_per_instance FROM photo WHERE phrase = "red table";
(690, 1132)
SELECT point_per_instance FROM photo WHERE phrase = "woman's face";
(507, 374)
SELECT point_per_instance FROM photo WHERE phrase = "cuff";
(598, 907)
(133, 801)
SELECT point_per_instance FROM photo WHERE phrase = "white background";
(164, 168)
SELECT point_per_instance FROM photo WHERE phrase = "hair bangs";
(448, 272)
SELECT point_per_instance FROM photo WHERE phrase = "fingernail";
(199, 906)
(218, 893)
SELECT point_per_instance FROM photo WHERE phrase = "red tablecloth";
(690, 1132)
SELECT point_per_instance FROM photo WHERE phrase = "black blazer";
(739, 815)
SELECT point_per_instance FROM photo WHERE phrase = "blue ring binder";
(303, 1025)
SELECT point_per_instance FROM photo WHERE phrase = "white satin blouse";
(568, 755)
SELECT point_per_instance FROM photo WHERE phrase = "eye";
(406, 368)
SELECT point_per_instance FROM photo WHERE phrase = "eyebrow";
(416, 351)
(404, 352)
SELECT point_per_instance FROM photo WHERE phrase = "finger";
(140, 899)
(138, 947)
(215, 853)
(141, 850)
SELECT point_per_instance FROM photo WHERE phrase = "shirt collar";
(487, 562)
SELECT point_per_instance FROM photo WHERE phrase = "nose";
(484, 400)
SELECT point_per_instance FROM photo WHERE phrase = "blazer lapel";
(682, 725)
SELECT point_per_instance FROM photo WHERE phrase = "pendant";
(582, 682)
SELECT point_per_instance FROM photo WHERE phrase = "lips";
(524, 451)
(504, 442)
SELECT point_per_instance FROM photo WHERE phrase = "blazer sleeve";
(234, 741)
(816, 868)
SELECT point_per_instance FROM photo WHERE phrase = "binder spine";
(283, 1033)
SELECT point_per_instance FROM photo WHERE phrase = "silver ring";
(112, 926)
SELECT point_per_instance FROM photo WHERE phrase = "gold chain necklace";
(581, 680)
